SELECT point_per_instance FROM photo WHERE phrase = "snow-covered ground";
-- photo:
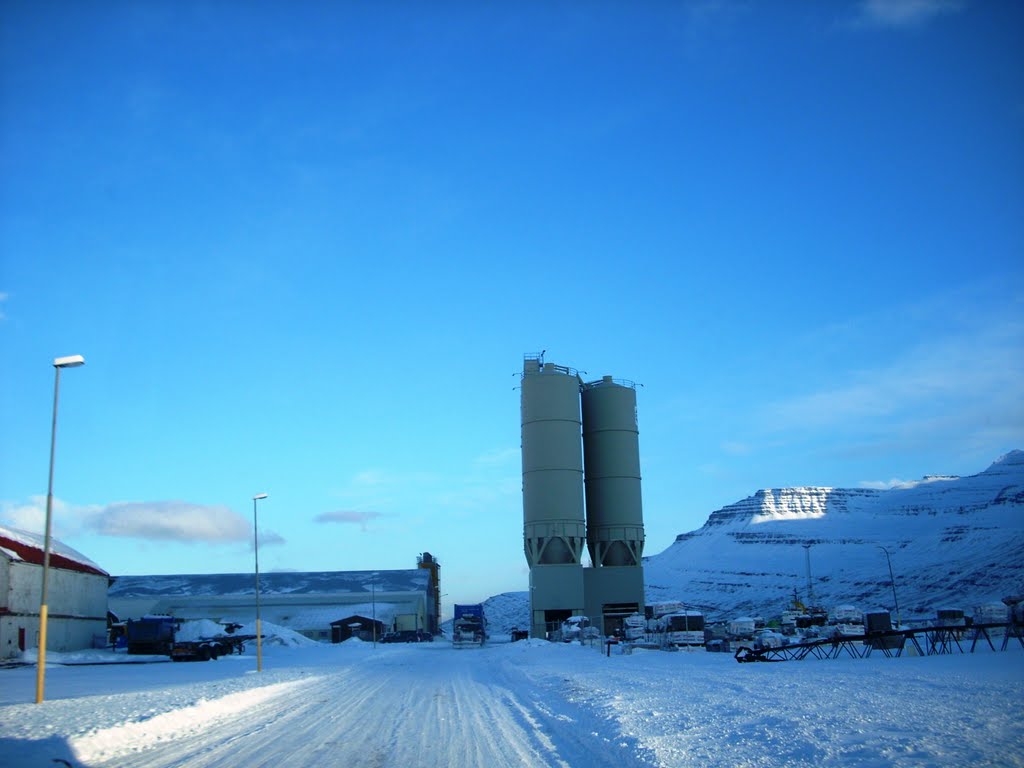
(513, 704)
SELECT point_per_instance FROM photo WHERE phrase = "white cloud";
(978, 372)
(31, 515)
(905, 13)
(171, 521)
(150, 520)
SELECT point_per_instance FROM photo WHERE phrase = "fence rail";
(926, 641)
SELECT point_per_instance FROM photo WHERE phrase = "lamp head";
(259, 496)
(71, 361)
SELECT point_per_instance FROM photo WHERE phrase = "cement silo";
(614, 586)
(554, 529)
(611, 456)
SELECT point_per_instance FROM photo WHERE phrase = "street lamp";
(71, 361)
(892, 581)
(810, 584)
(256, 550)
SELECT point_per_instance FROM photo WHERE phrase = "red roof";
(33, 554)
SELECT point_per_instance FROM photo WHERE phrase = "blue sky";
(303, 248)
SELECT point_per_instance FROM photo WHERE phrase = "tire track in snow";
(411, 708)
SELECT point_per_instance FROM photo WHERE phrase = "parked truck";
(155, 635)
(469, 626)
(209, 648)
(152, 635)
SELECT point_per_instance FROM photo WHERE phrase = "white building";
(308, 603)
(77, 596)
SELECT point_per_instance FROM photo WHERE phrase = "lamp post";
(71, 361)
(256, 551)
(892, 581)
(810, 584)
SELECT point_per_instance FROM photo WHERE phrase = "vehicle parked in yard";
(408, 636)
(209, 648)
(469, 625)
(151, 635)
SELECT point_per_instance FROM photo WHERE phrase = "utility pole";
(810, 584)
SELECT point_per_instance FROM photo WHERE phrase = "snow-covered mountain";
(953, 541)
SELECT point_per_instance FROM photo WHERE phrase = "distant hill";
(953, 541)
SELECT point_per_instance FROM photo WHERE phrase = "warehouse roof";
(274, 583)
(17, 544)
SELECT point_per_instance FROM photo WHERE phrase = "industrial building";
(77, 617)
(581, 488)
(312, 604)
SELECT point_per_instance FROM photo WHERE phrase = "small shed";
(356, 626)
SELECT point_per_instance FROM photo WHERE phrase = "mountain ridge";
(950, 540)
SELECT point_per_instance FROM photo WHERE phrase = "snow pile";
(274, 634)
(197, 629)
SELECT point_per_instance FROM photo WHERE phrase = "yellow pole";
(71, 361)
(41, 665)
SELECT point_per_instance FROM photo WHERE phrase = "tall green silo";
(554, 531)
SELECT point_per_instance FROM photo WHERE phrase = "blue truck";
(469, 626)
(152, 635)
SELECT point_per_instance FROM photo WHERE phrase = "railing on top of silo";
(609, 380)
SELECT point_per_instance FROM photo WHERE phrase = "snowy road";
(528, 703)
(454, 710)
(427, 705)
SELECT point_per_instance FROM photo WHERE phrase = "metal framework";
(927, 641)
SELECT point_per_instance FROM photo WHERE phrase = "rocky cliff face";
(952, 541)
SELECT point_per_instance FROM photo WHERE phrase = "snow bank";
(94, 656)
(130, 738)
